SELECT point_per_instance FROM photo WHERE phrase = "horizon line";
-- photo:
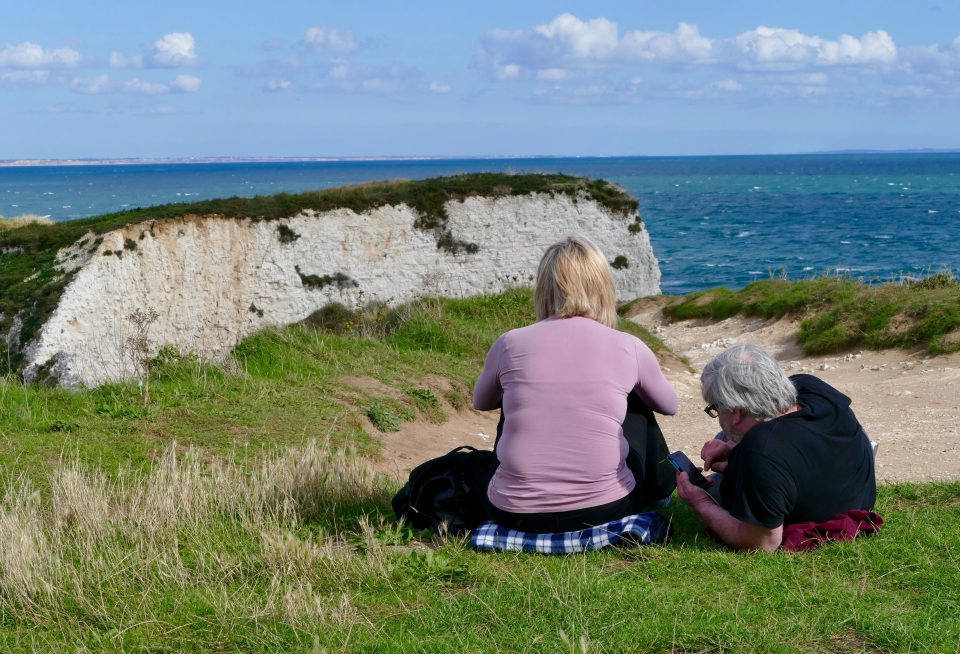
(133, 161)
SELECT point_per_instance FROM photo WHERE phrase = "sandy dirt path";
(907, 401)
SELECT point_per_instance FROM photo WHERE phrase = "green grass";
(841, 314)
(239, 575)
(281, 387)
(233, 513)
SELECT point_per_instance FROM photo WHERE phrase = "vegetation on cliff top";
(841, 314)
(31, 286)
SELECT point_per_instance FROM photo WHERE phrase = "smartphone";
(683, 464)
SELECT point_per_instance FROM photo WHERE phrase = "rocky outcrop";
(211, 280)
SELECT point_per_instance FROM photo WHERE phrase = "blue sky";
(212, 78)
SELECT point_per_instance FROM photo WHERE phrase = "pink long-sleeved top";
(564, 384)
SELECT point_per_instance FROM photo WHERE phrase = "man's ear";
(737, 416)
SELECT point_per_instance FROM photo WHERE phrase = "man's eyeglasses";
(711, 410)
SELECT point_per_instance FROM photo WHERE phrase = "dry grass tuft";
(23, 220)
(28, 565)
(184, 524)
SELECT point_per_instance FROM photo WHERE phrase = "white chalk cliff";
(214, 280)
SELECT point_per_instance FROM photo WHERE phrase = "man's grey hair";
(746, 377)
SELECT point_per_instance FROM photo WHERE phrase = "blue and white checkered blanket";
(640, 529)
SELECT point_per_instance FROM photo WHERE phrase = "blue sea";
(713, 221)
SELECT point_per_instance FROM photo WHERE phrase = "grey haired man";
(795, 451)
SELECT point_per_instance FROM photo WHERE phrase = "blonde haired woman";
(563, 384)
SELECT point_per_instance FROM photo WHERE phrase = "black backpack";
(449, 490)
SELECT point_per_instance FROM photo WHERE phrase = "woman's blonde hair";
(574, 279)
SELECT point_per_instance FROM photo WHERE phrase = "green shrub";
(455, 398)
(286, 235)
(942, 279)
(423, 397)
(427, 404)
(317, 282)
(333, 317)
(388, 415)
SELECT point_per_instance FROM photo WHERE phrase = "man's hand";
(715, 454)
(735, 533)
(690, 492)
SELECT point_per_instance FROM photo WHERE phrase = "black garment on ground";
(804, 466)
(647, 460)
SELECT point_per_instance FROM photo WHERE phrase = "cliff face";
(212, 280)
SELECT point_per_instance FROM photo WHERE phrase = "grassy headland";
(31, 283)
(232, 513)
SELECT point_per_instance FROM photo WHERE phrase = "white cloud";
(591, 39)
(912, 91)
(730, 85)
(174, 50)
(101, 84)
(590, 55)
(775, 46)
(120, 60)
(569, 42)
(937, 64)
(326, 65)
(814, 78)
(685, 45)
(590, 94)
(24, 77)
(340, 71)
(31, 55)
(347, 77)
(769, 45)
(186, 83)
(139, 87)
(376, 85)
(91, 85)
(553, 74)
(711, 91)
(329, 40)
(507, 71)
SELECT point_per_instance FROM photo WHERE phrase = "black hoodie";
(806, 465)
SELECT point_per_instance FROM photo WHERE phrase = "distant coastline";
(145, 161)
(36, 163)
